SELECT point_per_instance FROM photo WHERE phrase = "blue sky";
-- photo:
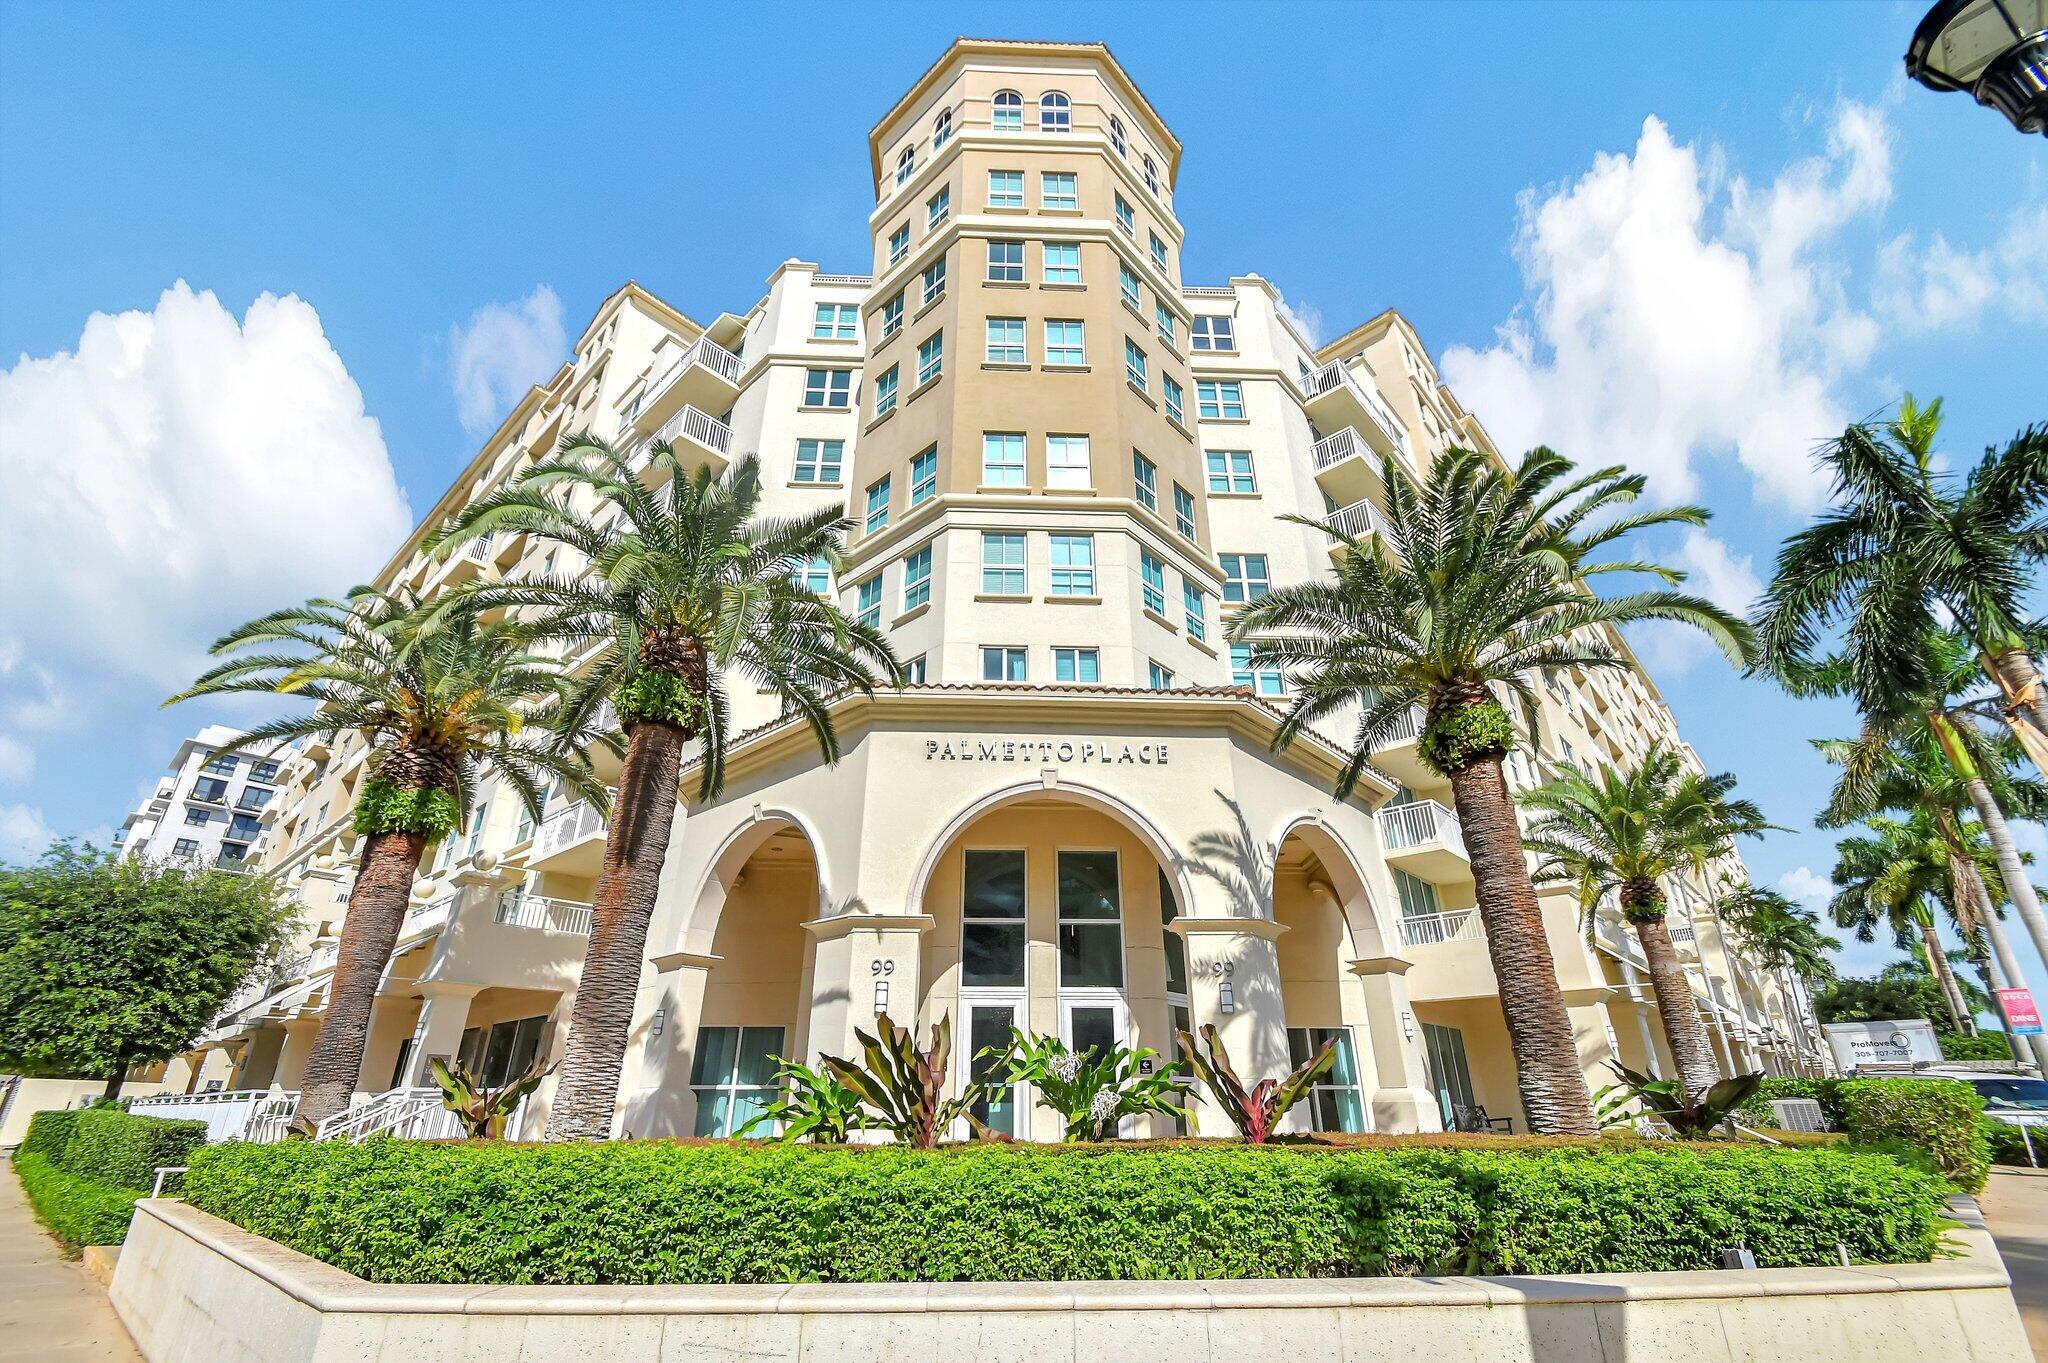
(1797, 235)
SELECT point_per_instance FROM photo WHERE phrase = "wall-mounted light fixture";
(1226, 998)
(1407, 1025)
(881, 997)
(660, 1021)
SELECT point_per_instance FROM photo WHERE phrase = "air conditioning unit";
(1797, 1114)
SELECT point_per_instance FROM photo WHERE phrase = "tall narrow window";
(1335, 1101)
(1005, 340)
(1091, 939)
(938, 207)
(1184, 511)
(1065, 344)
(878, 507)
(899, 244)
(1002, 459)
(924, 476)
(1125, 218)
(885, 391)
(1082, 665)
(1145, 481)
(1152, 578)
(992, 930)
(906, 163)
(1159, 677)
(1165, 324)
(1197, 611)
(867, 602)
(892, 315)
(1006, 262)
(1135, 367)
(942, 129)
(1127, 284)
(1006, 189)
(1066, 462)
(1062, 262)
(1158, 250)
(1007, 109)
(1002, 564)
(917, 579)
(1073, 565)
(1175, 399)
(935, 280)
(1151, 175)
(1057, 190)
(1055, 112)
(1116, 136)
(931, 357)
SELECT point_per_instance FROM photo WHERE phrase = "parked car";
(2014, 1098)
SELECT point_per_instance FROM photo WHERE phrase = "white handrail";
(1345, 444)
(565, 827)
(1418, 824)
(1335, 375)
(543, 913)
(704, 352)
(409, 1113)
(1357, 520)
(1430, 929)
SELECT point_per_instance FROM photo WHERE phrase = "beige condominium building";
(1065, 467)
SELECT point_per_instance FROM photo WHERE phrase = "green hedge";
(1757, 1110)
(48, 1133)
(2008, 1146)
(661, 1212)
(77, 1210)
(1943, 1118)
(1983, 1046)
(111, 1146)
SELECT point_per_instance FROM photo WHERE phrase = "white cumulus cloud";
(1678, 311)
(181, 470)
(1935, 286)
(1713, 570)
(500, 352)
(23, 833)
(1803, 884)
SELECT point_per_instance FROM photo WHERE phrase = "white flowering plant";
(1090, 1090)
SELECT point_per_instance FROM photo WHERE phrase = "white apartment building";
(207, 809)
(1066, 468)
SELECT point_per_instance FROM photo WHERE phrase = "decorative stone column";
(444, 1013)
(866, 964)
(1400, 1093)
(1234, 985)
(655, 1089)
(297, 1050)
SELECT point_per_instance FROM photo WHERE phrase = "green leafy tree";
(684, 586)
(1625, 834)
(1782, 937)
(1891, 878)
(1902, 990)
(1480, 585)
(442, 694)
(106, 964)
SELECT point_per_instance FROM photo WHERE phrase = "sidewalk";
(50, 1311)
(2015, 1205)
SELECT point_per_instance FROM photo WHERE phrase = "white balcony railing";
(1418, 824)
(543, 914)
(1429, 929)
(1357, 520)
(1682, 932)
(1345, 444)
(566, 827)
(1335, 375)
(1407, 728)
(229, 1114)
(698, 427)
(703, 352)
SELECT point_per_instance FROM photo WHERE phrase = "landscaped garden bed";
(84, 1170)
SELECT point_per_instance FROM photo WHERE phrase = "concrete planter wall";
(193, 1288)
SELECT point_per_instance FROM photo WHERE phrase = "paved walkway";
(51, 1311)
(2015, 1205)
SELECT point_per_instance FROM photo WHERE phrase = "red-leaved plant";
(1254, 1111)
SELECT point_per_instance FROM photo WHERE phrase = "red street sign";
(2021, 1017)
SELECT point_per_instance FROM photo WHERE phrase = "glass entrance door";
(1448, 1073)
(988, 1029)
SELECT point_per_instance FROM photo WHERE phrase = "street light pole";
(1997, 50)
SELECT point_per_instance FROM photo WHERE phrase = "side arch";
(1365, 918)
(707, 903)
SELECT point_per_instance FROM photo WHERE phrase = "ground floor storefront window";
(733, 1076)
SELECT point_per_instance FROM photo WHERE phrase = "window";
(1057, 190)
(221, 766)
(1076, 665)
(814, 574)
(938, 207)
(1220, 400)
(1062, 261)
(253, 797)
(195, 817)
(942, 129)
(1444, 1048)
(1158, 250)
(1244, 577)
(935, 280)
(1002, 564)
(817, 461)
(1127, 283)
(733, 1076)
(836, 322)
(914, 671)
(1116, 136)
(1066, 461)
(885, 391)
(867, 602)
(1158, 678)
(1134, 364)
(264, 771)
(1417, 896)
(1214, 333)
(924, 476)
(1263, 681)
(992, 931)
(1073, 565)
(1164, 320)
(1151, 175)
(878, 507)
(892, 315)
(1176, 399)
(1230, 471)
(1008, 109)
(899, 244)
(1184, 511)
(906, 163)
(917, 579)
(1006, 262)
(1125, 218)
(211, 790)
(931, 357)
(1006, 189)
(1152, 578)
(185, 847)
(247, 826)
(1002, 459)
(1003, 664)
(1091, 939)
(1005, 340)
(1335, 1103)
(1065, 343)
(831, 388)
(1055, 112)
(1197, 611)
(1145, 481)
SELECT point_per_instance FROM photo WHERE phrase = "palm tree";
(683, 586)
(1783, 938)
(442, 695)
(1892, 877)
(1625, 834)
(1907, 545)
(1481, 587)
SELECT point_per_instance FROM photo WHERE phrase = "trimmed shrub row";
(110, 1145)
(1941, 1118)
(83, 1170)
(661, 1212)
(77, 1210)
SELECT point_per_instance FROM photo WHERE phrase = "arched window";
(942, 128)
(1009, 109)
(906, 163)
(1055, 112)
(1151, 175)
(1116, 136)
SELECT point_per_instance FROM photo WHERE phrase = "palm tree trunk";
(1547, 1068)
(2018, 888)
(642, 816)
(376, 910)
(1937, 961)
(2014, 671)
(2008, 966)
(1683, 1030)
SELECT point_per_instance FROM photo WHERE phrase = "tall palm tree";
(1482, 586)
(683, 586)
(1892, 877)
(1625, 834)
(1906, 545)
(1785, 939)
(443, 695)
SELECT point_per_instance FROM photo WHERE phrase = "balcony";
(1423, 838)
(1360, 520)
(707, 375)
(1334, 398)
(1434, 929)
(542, 914)
(1348, 468)
(695, 435)
(569, 841)
(1399, 754)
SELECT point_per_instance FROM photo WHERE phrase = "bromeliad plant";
(815, 1106)
(1254, 1111)
(1620, 1106)
(906, 1086)
(1090, 1091)
(482, 1110)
